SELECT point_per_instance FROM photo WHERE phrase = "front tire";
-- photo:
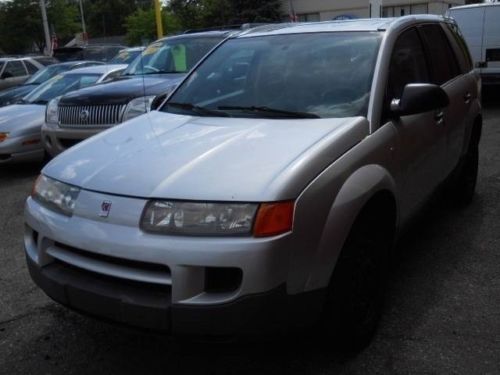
(356, 292)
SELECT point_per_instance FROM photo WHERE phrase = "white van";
(480, 25)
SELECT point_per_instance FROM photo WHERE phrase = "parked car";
(44, 60)
(20, 123)
(15, 70)
(16, 93)
(104, 52)
(267, 191)
(161, 66)
(480, 25)
(127, 55)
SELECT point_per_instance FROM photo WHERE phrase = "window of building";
(308, 17)
(403, 10)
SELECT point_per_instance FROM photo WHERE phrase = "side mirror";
(419, 98)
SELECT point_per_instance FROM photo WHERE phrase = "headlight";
(137, 107)
(218, 219)
(51, 113)
(3, 136)
(55, 195)
(192, 218)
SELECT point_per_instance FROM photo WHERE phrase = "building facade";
(324, 10)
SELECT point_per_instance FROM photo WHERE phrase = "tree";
(188, 12)
(256, 11)
(107, 17)
(212, 13)
(21, 23)
(141, 25)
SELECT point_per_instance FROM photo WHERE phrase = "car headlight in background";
(217, 219)
(51, 113)
(3, 136)
(137, 107)
(55, 195)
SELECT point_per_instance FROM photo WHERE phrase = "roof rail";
(241, 26)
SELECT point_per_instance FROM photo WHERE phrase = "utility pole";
(159, 23)
(48, 43)
(375, 8)
(84, 29)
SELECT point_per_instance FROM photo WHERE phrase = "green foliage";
(210, 13)
(188, 12)
(256, 10)
(21, 23)
(107, 17)
(141, 25)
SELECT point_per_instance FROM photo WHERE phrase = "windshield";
(1, 66)
(172, 55)
(126, 56)
(300, 75)
(45, 74)
(60, 85)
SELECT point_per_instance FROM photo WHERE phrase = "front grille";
(90, 115)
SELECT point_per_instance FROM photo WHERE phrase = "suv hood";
(122, 90)
(162, 155)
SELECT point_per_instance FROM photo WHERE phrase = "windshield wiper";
(269, 111)
(38, 102)
(198, 110)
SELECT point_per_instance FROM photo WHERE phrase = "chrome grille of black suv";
(91, 115)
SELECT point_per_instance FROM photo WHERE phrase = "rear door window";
(443, 63)
(15, 69)
(32, 69)
(460, 47)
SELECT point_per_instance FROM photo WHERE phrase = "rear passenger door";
(447, 73)
(421, 141)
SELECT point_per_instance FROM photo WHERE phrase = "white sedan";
(20, 124)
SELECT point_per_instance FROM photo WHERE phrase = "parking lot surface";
(442, 314)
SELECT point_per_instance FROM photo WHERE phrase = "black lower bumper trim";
(272, 312)
(104, 297)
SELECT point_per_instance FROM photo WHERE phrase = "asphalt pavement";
(442, 314)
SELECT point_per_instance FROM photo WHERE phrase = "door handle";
(439, 117)
(467, 98)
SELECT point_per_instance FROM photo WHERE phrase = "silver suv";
(267, 192)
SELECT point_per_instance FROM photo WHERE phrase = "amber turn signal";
(273, 219)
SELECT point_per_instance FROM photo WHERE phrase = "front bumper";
(114, 271)
(21, 148)
(56, 140)
(266, 313)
